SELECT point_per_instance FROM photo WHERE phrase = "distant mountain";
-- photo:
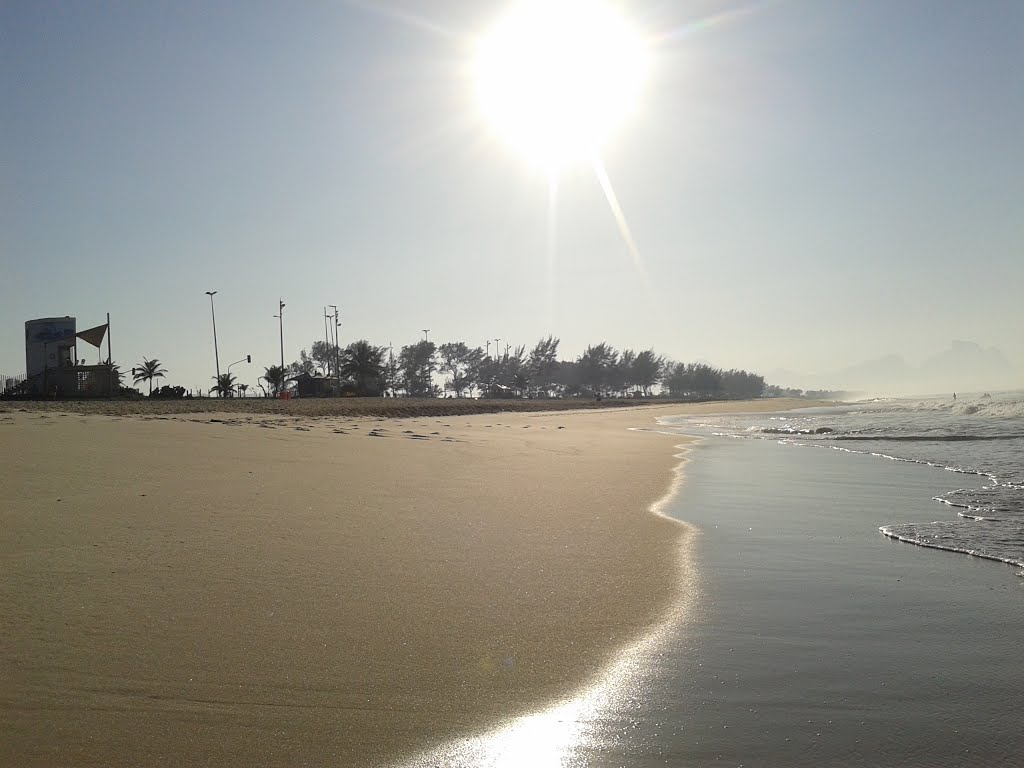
(867, 374)
(967, 360)
(965, 366)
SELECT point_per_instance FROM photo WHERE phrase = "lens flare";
(556, 78)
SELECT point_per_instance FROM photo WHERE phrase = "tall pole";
(280, 322)
(391, 367)
(327, 341)
(497, 349)
(213, 314)
(426, 334)
(488, 347)
(110, 360)
(337, 366)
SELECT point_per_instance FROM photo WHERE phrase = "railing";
(11, 384)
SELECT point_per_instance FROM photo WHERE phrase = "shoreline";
(814, 632)
(452, 574)
(551, 730)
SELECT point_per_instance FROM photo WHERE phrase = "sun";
(557, 78)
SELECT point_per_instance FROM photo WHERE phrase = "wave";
(990, 476)
(965, 515)
(921, 438)
(898, 533)
(985, 407)
(792, 430)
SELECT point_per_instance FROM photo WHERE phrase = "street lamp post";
(280, 322)
(497, 349)
(337, 341)
(213, 314)
(327, 341)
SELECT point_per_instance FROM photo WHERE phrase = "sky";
(809, 184)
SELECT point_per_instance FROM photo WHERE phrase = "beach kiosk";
(52, 366)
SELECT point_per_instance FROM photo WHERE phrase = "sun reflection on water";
(567, 734)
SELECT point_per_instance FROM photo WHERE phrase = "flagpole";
(110, 359)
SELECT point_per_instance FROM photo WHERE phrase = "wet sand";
(247, 589)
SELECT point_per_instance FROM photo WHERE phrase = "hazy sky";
(809, 183)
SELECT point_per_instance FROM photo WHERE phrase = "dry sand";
(249, 589)
(319, 407)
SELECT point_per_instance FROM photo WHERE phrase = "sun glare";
(556, 78)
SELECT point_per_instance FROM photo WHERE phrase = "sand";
(252, 589)
(402, 407)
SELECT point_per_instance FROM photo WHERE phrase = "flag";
(94, 336)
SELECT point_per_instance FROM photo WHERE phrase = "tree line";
(455, 369)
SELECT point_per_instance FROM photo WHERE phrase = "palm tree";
(147, 371)
(225, 385)
(242, 389)
(363, 363)
(275, 376)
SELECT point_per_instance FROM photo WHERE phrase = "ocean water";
(806, 637)
(979, 439)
